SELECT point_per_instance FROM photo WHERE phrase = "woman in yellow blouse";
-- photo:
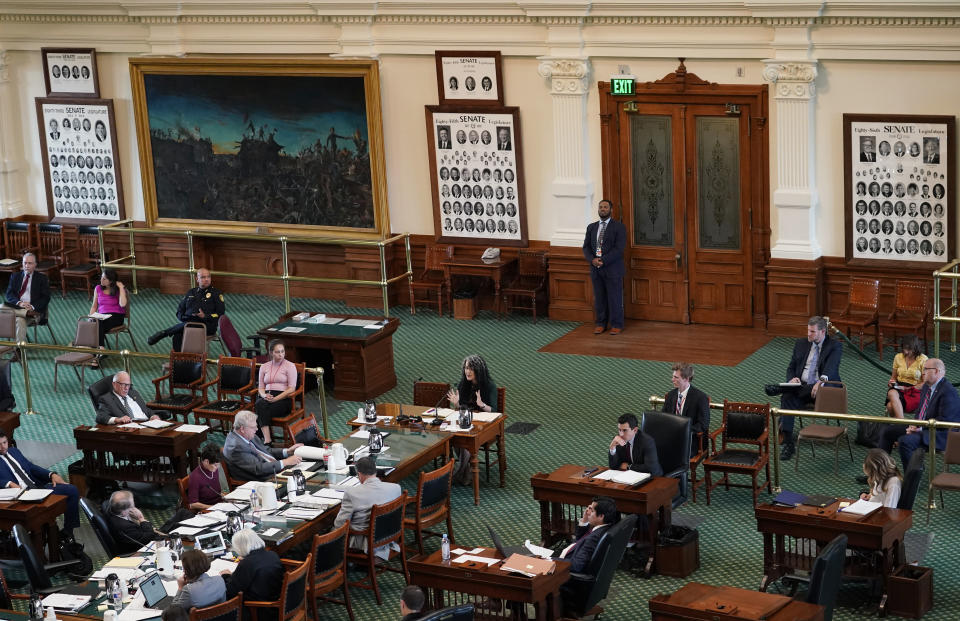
(903, 389)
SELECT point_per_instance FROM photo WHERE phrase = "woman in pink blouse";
(278, 380)
(109, 298)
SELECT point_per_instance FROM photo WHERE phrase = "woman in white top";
(884, 478)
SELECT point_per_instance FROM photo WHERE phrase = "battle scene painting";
(289, 150)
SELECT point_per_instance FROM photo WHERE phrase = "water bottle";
(254, 506)
(114, 592)
(445, 548)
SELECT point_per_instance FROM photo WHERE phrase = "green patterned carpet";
(574, 399)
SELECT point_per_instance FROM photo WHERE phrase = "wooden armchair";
(230, 610)
(432, 278)
(386, 527)
(431, 394)
(232, 483)
(306, 431)
(18, 238)
(51, 250)
(530, 283)
(82, 262)
(124, 327)
(292, 605)
(743, 424)
(862, 310)
(911, 313)
(431, 505)
(329, 570)
(236, 383)
(186, 375)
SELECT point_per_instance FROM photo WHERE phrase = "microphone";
(436, 415)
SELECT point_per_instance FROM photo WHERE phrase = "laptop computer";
(505, 551)
(211, 544)
(154, 593)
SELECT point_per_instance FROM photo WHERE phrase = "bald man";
(203, 304)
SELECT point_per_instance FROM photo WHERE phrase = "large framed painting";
(899, 189)
(81, 170)
(278, 145)
(476, 175)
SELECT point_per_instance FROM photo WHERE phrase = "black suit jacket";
(39, 291)
(260, 576)
(614, 241)
(696, 407)
(944, 406)
(108, 406)
(128, 535)
(828, 363)
(586, 544)
(644, 456)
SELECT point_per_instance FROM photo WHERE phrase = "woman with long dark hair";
(476, 388)
(109, 298)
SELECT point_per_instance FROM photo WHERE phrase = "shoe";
(772, 390)
(615, 331)
(862, 479)
(788, 451)
(156, 337)
(598, 330)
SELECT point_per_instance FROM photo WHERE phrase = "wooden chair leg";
(346, 595)
(372, 573)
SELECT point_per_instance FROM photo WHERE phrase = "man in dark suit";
(939, 400)
(813, 358)
(603, 247)
(631, 449)
(867, 152)
(685, 400)
(124, 404)
(598, 515)
(28, 293)
(18, 471)
(248, 458)
(503, 139)
(129, 528)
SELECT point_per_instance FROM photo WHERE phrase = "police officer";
(202, 304)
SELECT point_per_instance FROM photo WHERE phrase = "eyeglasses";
(122, 385)
(930, 369)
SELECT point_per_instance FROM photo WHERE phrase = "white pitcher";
(338, 458)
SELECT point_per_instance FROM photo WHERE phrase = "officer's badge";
(208, 294)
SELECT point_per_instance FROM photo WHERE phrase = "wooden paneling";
(793, 294)
(571, 293)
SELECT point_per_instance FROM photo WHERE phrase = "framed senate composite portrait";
(81, 170)
(469, 78)
(476, 176)
(899, 189)
(70, 72)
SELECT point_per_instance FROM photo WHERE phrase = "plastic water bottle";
(115, 593)
(254, 507)
(445, 548)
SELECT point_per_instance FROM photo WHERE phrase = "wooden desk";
(8, 422)
(785, 529)
(362, 358)
(118, 454)
(473, 440)
(703, 601)
(40, 520)
(566, 486)
(430, 572)
(474, 266)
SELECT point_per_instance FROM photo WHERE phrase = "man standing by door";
(603, 247)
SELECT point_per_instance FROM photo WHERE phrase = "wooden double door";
(687, 174)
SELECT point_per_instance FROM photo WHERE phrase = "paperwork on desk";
(242, 492)
(454, 427)
(129, 562)
(360, 420)
(228, 506)
(10, 493)
(355, 322)
(486, 417)
(205, 519)
(192, 428)
(218, 564)
(130, 426)
(302, 513)
(462, 551)
(187, 531)
(156, 424)
(528, 565)
(63, 601)
(627, 477)
(124, 573)
(8, 261)
(347, 482)
(34, 495)
(862, 507)
(314, 453)
(537, 550)
(291, 329)
(363, 434)
(329, 492)
(467, 558)
(286, 474)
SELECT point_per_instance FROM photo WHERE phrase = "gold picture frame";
(243, 146)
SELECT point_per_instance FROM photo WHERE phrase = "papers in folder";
(156, 424)
(193, 428)
(9, 493)
(218, 564)
(627, 477)
(34, 495)
(63, 601)
(862, 507)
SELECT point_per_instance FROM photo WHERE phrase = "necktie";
(679, 403)
(19, 471)
(603, 229)
(267, 457)
(812, 373)
(923, 408)
(23, 287)
(125, 407)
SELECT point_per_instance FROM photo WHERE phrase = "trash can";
(910, 591)
(464, 304)
(678, 551)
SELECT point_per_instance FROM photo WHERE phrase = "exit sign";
(622, 85)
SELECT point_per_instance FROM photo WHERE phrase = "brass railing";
(126, 355)
(949, 271)
(931, 425)
(129, 262)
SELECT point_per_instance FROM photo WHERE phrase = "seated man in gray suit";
(248, 458)
(124, 404)
(359, 500)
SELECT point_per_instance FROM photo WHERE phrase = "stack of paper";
(360, 420)
(157, 424)
(9, 493)
(34, 495)
(124, 573)
(467, 558)
(192, 428)
(627, 477)
(538, 550)
(218, 565)
(130, 426)
(486, 417)
(128, 562)
(202, 521)
(302, 513)
(227, 506)
(862, 507)
(62, 601)
(327, 492)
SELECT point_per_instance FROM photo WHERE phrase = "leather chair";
(910, 315)
(187, 372)
(431, 394)
(831, 397)
(38, 573)
(230, 610)
(862, 310)
(946, 480)
(431, 505)
(461, 612)
(432, 278)
(306, 431)
(671, 435)
(386, 526)
(183, 486)
(86, 336)
(743, 424)
(583, 591)
(225, 466)
(236, 383)
(825, 577)
(82, 262)
(99, 388)
(100, 527)
(529, 284)
(292, 605)
(7, 597)
(329, 570)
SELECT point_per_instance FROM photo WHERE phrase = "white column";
(795, 197)
(571, 189)
(11, 162)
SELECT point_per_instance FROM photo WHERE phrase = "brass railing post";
(22, 350)
(286, 274)
(322, 395)
(775, 426)
(936, 314)
(190, 257)
(953, 307)
(383, 279)
(133, 255)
